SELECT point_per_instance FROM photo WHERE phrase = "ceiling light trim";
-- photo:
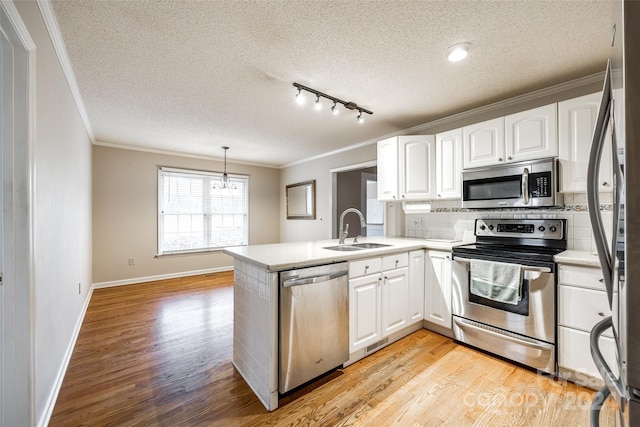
(458, 52)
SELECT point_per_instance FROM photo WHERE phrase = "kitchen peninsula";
(256, 296)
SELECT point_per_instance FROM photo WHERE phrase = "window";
(194, 216)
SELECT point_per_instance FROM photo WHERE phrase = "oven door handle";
(524, 267)
(465, 324)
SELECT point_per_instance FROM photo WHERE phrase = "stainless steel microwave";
(530, 184)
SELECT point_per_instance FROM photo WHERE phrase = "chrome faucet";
(344, 233)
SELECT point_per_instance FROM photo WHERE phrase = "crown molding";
(178, 154)
(58, 44)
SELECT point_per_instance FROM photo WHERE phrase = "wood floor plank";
(159, 354)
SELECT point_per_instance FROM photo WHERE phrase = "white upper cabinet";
(388, 169)
(576, 121)
(449, 164)
(406, 168)
(522, 136)
(484, 143)
(531, 134)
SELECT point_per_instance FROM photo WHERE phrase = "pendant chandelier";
(225, 185)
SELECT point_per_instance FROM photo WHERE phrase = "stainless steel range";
(504, 289)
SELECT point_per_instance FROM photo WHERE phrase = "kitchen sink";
(369, 245)
(356, 246)
(342, 248)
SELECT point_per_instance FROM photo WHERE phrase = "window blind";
(194, 216)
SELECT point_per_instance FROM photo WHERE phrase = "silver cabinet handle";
(462, 323)
(524, 267)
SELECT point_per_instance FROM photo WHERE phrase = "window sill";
(191, 252)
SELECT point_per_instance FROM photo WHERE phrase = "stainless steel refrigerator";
(618, 129)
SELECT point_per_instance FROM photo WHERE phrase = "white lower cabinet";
(364, 311)
(378, 299)
(437, 295)
(416, 285)
(582, 302)
(395, 300)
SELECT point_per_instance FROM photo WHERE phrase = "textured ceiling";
(191, 76)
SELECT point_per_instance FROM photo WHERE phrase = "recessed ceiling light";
(458, 52)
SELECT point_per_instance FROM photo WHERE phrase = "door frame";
(17, 402)
(334, 190)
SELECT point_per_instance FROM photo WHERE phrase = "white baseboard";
(159, 277)
(57, 384)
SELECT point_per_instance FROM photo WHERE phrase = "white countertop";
(285, 256)
(586, 258)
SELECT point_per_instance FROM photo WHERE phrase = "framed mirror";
(301, 200)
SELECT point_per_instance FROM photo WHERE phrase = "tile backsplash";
(448, 221)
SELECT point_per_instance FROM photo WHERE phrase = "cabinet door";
(574, 352)
(532, 134)
(437, 295)
(576, 121)
(416, 286)
(449, 164)
(388, 169)
(395, 300)
(484, 143)
(581, 308)
(417, 177)
(364, 311)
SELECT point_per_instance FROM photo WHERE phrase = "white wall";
(62, 212)
(125, 214)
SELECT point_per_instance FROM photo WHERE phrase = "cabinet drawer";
(574, 351)
(365, 266)
(398, 260)
(582, 308)
(582, 277)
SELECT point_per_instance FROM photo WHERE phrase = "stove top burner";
(521, 240)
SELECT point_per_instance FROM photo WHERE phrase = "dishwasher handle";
(297, 280)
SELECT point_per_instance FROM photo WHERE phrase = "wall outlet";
(132, 261)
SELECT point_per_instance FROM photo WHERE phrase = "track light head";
(360, 118)
(318, 105)
(299, 97)
(334, 109)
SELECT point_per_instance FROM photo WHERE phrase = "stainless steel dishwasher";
(314, 322)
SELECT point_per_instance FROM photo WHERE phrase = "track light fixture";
(348, 105)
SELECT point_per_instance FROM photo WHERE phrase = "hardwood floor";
(160, 354)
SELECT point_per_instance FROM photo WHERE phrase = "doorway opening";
(356, 186)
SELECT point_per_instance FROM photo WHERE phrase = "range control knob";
(553, 229)
(490, 227)
(541, 228)
(483, 227)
